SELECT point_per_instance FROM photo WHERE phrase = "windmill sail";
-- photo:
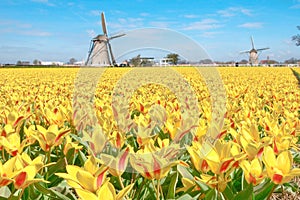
(262, 49)
(103, 24)
(116, 36)
(252, 42)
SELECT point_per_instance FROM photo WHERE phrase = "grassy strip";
(297, 75)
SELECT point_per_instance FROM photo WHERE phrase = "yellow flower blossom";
(279, 169)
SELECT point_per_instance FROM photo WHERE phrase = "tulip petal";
(107, 191)
(124, 191)
(284, 162)
(20, 179)
(269, 157)
(85, 194)
(86, 180)
(123, 160)
(277, 178)
(256, 168)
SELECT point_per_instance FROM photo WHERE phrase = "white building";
(52, 63)
(165, 61)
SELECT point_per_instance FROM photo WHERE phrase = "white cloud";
(295, 6)
(226, 13)
(246, 12)
(95, 12)
(233, 11)
(25, 25)
(43, 2)
(190, 16)
(205, 24)
(160, 24)
(144, 14)
(125, 24)
(35, 33)
(5, 22)
(251, 25)
(210, 34)
(91, 33)
(21, 28)
(40, 1)
(14, 23)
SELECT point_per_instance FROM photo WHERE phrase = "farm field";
(67, 135)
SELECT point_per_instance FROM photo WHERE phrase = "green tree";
(291, 61)
(72, 61)
(174, 57)
(36, 62)
(296, 38)
(136, 61)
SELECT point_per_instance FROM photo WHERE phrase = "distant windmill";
(100, 53)
(253, 53)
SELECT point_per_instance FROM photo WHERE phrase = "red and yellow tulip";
(279, 168)
(253, 171)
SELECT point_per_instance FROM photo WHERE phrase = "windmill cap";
(100, 37)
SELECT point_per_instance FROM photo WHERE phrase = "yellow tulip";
(48, 138)
(90, 182)
(187, 184)
(55, 115)
(221, 157)
(144, 134)
(90, 177)
(279, 169)
(172, 124)
(106, 191)
(26, 169)
(253, 171)
(117, 165)
(163, 143)
(15, 119)
(151, 166)
(197, 157)
(96, 139)
(201, 130)
(70, 144)
(6, 171)
(11, 140)
(30, 132)
(25, 160)
(118, 138)
(154, 163)
(26, 177)
(282, 135)
(251, 142)
(217, 182)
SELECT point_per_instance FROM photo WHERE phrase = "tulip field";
(153, 133)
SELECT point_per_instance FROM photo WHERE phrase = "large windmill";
(253, 53)
(100, 53)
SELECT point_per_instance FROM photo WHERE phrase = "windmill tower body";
(100, 53)
(253, 53)
(253, 57)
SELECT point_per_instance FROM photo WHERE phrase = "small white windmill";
(100, 53)
(253, 53)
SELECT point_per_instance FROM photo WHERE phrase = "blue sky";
(57, 30)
